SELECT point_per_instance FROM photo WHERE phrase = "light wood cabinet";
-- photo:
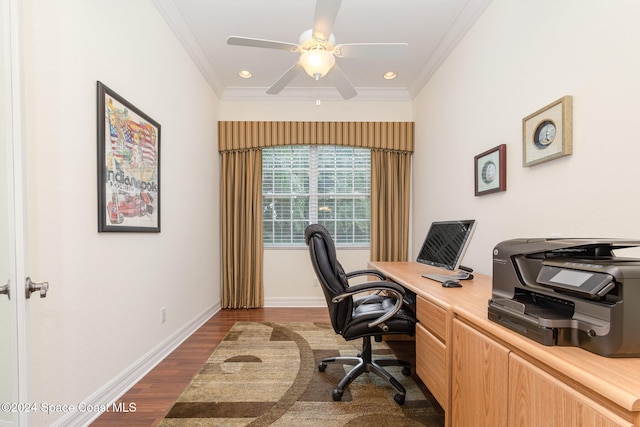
(493, 386)
(538, 399)
(432, 318)
(431, 364)
(431, 349)
(479, 379)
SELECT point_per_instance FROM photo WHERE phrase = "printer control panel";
(592, 284)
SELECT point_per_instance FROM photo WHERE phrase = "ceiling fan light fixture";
(317, 62)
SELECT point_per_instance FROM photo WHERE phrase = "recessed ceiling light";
(245, 74)
(390, 75)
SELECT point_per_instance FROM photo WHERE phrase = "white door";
(8, 331)
(12, 281)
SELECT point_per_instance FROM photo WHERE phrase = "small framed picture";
(547, 133)
(128, 166)
(491, 171)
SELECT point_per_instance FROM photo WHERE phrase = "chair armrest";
(392, 287)
(376, 273)
(358, 273)
(396, 290)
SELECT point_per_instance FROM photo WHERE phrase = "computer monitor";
(446, 243)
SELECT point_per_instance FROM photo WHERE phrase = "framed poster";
(491, 171)
(128, 166)
(547, 133)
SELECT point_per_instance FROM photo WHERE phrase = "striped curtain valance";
(386, 136)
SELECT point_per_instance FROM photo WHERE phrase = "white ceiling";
(431, 28)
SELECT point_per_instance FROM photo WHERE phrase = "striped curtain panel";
(390, 195)
(241, 205)
(240, 142)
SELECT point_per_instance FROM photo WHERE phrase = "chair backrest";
(330, 274)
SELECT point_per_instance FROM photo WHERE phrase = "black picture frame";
(128, 166)
(490, 170)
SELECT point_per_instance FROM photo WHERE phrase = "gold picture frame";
(547, 133)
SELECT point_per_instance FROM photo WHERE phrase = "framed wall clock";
(547, 133)
(491, 171)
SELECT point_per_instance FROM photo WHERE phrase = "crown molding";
(172, 15)
(466, 18)
(327, 93)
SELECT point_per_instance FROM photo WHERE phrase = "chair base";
(365, 363)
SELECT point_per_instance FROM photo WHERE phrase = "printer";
(569, 292)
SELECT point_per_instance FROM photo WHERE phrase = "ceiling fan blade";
(341, 82)
(372, 50)
(285, 79)
(324, 18)
(269, 44)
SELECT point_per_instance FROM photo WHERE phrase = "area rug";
(265, 374)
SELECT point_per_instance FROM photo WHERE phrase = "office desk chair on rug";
(373, 315)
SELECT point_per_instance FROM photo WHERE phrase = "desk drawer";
(432, 317)
(431, 364)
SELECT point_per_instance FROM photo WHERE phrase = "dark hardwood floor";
(154, 395)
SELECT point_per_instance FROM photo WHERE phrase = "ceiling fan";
(318, 51)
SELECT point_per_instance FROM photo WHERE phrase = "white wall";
(102, 314)
(519, 57)
(289, 279)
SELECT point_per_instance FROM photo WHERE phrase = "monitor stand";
(463, 274)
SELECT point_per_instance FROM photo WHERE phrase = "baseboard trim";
(295, 302)
(108, 394)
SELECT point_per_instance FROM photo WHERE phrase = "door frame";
(16, 201)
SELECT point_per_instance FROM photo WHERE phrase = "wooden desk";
(483, 374)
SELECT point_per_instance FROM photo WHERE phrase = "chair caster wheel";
(337, 395)
(399, 398)
(406, 371)
(322, 367)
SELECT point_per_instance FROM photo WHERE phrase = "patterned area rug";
(265, 374)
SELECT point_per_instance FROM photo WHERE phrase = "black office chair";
(379, 313)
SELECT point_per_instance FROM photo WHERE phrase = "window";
(328, 185)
